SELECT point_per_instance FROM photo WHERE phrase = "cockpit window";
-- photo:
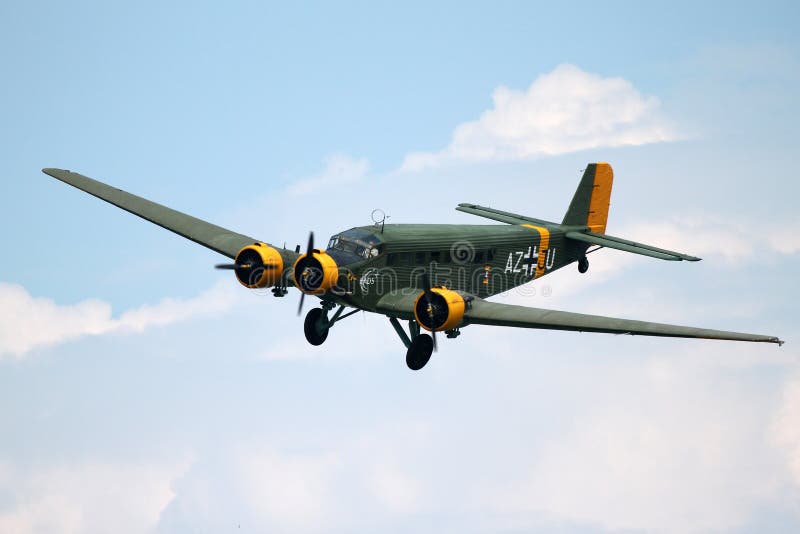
(350, 244)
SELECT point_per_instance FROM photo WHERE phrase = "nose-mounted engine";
(315, 272)
(258, 265)
(443, 309)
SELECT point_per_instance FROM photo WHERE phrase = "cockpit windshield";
(356, 244)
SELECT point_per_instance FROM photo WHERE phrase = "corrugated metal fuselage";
(482, 260)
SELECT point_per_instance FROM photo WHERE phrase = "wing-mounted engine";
(315, 272)
(258, 265)
(443, 310)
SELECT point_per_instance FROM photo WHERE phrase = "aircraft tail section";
(589, 206)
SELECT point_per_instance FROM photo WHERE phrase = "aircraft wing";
(209, 235)
(498, 314)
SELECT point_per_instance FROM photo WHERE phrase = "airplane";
(436, 277)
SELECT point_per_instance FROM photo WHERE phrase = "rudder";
(589, 206)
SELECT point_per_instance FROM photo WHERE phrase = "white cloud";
(86, 498)
(28, 322)
(340, 169)
(330, 483)
(720, 236)
(668, 445)
(293, 492)
(566, 110)
(397, 489)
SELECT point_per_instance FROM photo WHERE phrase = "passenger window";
(420, 259)
(436, 256)
(479, 256)
(392, 259)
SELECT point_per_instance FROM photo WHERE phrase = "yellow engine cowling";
(317, 274)
(258, 265)
(447, 307)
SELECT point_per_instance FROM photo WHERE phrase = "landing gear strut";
(583, 265)
(420, 346)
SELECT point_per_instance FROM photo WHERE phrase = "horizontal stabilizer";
(502, 216)
(608, 241)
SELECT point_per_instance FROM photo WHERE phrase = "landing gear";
(583, 265)
(316, 326)
(419, 352)
(420, 346)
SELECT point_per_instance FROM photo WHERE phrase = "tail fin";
(589, 206)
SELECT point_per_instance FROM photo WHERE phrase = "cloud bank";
(87, 497)
(28, 323)
(563, 111)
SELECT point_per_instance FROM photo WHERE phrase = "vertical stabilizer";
(589, 206)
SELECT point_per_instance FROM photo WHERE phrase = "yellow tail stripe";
(544, 244)
(601, 198)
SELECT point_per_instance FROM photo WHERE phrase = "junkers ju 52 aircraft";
(434, 276)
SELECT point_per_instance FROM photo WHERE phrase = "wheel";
(419, 352)
(316, 333)
(583, 265)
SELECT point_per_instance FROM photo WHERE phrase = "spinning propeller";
(301, 282)
(234, 266)
(426, 281)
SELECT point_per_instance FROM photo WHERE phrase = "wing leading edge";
(209, 235)
(493, 313)
(498, 314)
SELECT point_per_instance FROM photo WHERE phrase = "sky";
(144, 391)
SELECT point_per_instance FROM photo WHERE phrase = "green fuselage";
(481, 260)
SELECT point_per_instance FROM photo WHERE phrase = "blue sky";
(144, 391)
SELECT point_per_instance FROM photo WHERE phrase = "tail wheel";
(316, 327)
(583, 265)
(419, 352)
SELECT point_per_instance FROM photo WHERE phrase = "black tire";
(311, 329)
(583, 265)
(419, 352)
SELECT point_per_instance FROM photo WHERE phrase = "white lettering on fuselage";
(525, 261)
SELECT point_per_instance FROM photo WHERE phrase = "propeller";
(309, 254)
(234, 266)
(426, 282)
(249, 267)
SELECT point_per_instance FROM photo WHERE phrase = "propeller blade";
(232, 266)
(309, 254)
(426, 282)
